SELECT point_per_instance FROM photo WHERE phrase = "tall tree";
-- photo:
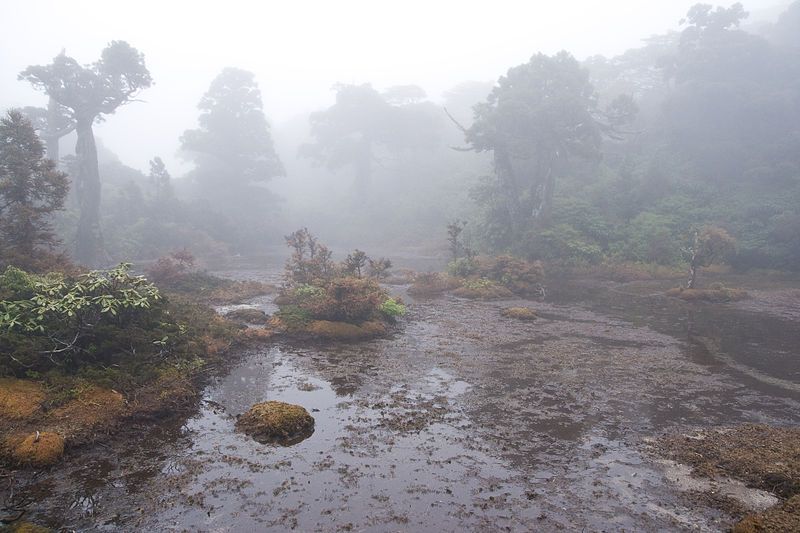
(233, 146)
(363, 122)
(346, 133)
(31, 189)
(89, 92)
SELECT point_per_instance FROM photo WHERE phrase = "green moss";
(277, 422)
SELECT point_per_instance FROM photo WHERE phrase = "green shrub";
(52, 320)
(461, 267)
(392, 308)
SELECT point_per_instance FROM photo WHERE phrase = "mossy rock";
(276, 422)
(783, 517)
(519, 313)
(344, 331)
(36, 449)
(247, 316)
(19, 398)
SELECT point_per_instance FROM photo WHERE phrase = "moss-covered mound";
(91, 408)
(781, 518)
(37, 449)
(19, 398)
(343, 331)
(432, 284)
(276, 422)
(712, 294)
(482, 289)
(247, 316)
(519, 313)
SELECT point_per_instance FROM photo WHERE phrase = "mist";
(422, 266)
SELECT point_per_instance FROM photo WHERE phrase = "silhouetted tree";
(233, 147)
(89, 92)
(31, 189)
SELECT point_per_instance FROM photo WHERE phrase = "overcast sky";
(299, 49)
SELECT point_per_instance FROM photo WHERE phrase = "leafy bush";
(462, 267)
(392, 308)
(519, 276)
(171, 267)
(55, 321)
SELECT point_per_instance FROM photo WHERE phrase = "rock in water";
(276, 422)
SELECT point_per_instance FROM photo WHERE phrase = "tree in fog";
(88, 92)
(346, 133)
(364, 122)
(53, 122)
(538, 115)
(234, 154)
(233, 148)
(31, 189)
(160, 181)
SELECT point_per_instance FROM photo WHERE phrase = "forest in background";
(602, 161)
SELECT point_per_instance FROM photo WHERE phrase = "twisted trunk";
(89, 240)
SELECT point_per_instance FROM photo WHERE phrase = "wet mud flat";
(465, 420)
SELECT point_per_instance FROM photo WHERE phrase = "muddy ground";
(465, 420)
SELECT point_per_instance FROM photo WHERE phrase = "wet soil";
(465, 420)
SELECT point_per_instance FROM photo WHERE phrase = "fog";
(399, 266)
(299, 50)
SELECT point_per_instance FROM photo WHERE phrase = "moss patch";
(247, 316)
(344, 331)
(482, 289)
(36, 449)
(92, 408)
(276, 422)
(519, 313)
(720, 294)
(19, 398)
(781, 518)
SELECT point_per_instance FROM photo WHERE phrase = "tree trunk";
(52, 137)
(89, 239)
(504, 168)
